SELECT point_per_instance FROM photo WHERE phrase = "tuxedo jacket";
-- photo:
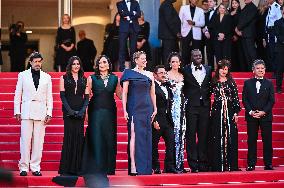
(123, 11)
(198, 18)
(247, 21)
(262, 101)
(193, 91)
(30, 102)
(163, 117)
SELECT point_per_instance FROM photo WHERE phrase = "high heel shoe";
(133, 174)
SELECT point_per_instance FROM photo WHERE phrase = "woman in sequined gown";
(177, 107)
(224, 118)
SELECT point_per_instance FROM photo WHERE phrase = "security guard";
(274, 13)
(279, 48)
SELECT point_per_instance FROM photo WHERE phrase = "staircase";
(10, 136)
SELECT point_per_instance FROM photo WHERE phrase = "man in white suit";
(192, 20)
(33, 105)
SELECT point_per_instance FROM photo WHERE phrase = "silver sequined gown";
(178, 115)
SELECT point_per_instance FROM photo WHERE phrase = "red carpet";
(10, 134)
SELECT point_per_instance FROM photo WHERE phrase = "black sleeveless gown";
(71, 156)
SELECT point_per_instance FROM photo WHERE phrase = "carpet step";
(120, 128)
(122, 155)
(121, 146)
(7, 113)
(205, 179)
(122, 164)
(121, 137)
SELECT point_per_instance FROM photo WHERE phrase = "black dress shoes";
(250, 168)
(157, 171)
(37, 173)
(268, 167)
(173, 171)
(133, 174)
(194, 170)
(23, 173)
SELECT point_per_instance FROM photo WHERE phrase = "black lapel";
(159, 90)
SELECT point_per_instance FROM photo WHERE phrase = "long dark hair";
(175, 54)
(221, 65)
(238, 9)
(80, 73)
(97, 69)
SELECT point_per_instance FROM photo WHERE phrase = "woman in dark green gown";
(99, 156)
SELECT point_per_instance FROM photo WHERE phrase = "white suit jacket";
(198, 18)
(29, 102)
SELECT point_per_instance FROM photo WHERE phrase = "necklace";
(104, 77)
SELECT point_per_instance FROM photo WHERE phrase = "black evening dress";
(66, 37)
(224, 130)
(144, 34)
(99, 156)
(139, 109)
(73, 141)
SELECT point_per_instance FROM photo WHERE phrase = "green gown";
(99, 155)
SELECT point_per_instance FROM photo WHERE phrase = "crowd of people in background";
(176, 96)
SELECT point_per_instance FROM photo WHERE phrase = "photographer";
(18, 39)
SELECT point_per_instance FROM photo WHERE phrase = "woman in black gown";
(65, 42)
(75, 98)
(224, 118)
(142, 40)
(139, 106)
(99, 156)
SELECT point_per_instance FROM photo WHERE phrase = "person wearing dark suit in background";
(279, 33)
(197, 78)
(1, 61)
(258, 100)
(246, 31)
(260, 41)
(168, 29)
(142, 41)
(17, 53)
(163, 123)
(220, 27)
(209, 42)
(87, 51)
(129, 11)
(236, 50)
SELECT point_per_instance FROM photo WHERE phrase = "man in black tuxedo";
(258, 100)
(87, 51)
(168, 29)
(197, 78)
(129, 11)
(246, 29)
(208, 39)
(163, 124)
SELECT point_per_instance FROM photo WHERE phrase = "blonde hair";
(137, 54)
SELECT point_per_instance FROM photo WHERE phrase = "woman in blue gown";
(139, 105)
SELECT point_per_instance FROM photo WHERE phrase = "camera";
(14, 28)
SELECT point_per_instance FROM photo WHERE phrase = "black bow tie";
(260, 80)
(198, 68)
(165, 84)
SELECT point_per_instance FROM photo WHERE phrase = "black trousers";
(270, 40)
(168, 46)
(168, 135)
(197, 121)
(280, 65)
(249, 54)
(123, 36)
(266, 134)
(210, 52)
(222, 49)
(17, 63)
(188, 44)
